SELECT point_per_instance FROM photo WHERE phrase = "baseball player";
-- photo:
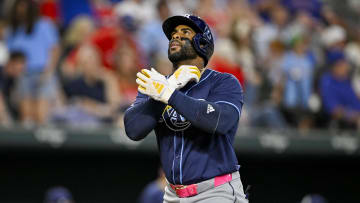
(195, 114)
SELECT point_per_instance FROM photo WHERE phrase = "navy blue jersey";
(195, 131)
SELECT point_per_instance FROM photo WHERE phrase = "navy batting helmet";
(203, 41)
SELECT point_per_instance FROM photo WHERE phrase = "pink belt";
(183, 191)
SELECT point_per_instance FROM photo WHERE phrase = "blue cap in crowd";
(335, 56)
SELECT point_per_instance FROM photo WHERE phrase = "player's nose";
(176, 36)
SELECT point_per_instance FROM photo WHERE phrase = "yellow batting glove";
(183, 75)
(154, 85)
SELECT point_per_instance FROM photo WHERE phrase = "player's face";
(180, 32)
(180, 46)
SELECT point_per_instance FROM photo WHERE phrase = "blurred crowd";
(69, 62)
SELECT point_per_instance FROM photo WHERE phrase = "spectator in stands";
(269, 31)
(303, 24)
(151, 38)
(70, 9)
(92, 96)
(58, 194)
(338, 96)
(10, 75)
(78, 34)
(240, 36)
(298, 69)
(334, 38)
(225, 55)
(223, 64)
(5, 119)
(50, 9)
(154, 191)
(126, 67)
(211, 12)
(251, 43)
(242, 11)
(4, 52)
(178, 7)
(126, 64)
(352, 51)
(265, 107)
(134, 13)
(298, 74)
(37, 38)
(163, 65)
(312, 7)
(272, 63)
(108, 38)
(313, 198)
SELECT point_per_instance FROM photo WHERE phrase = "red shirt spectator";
(108, 39)
(225, 66)
(50, 8)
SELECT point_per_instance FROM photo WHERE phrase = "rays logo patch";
(173, 120)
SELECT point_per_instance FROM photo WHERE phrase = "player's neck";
(198, 62)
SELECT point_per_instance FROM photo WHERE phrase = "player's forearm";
(141, 118)
(208, 116)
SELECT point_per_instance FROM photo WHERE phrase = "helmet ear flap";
(203, 47)
(198, 41)
(203, 42)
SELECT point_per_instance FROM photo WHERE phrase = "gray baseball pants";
(230, 192)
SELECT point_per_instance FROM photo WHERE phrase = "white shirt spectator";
(141, 11)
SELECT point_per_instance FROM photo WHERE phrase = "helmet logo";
(208, 34)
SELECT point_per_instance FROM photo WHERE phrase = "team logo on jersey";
(173, 120)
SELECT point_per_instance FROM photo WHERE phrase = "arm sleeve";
(219, 113)
(142, 116)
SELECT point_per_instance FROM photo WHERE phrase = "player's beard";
(186, 52)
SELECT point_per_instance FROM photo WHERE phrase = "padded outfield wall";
(102, 166)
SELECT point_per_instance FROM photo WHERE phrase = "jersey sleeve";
(219, 113)
(227, 90)
(142, 116)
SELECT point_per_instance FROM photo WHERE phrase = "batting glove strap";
(183, 75)
(167, 94)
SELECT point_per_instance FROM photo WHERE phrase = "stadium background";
(291, 142)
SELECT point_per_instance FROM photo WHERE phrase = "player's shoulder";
(218, 77)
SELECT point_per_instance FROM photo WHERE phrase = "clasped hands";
(156, 86)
